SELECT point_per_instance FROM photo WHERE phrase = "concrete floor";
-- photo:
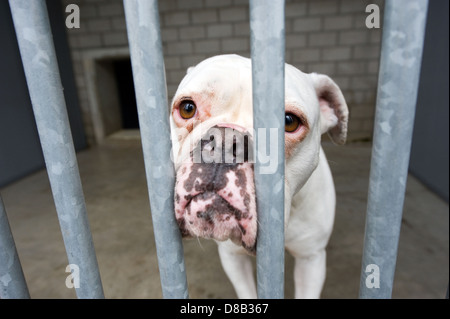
(118, 208)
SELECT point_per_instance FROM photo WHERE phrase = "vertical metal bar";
(12, 280)
(151, 95)
(401, 56)
(267, 51)
(44, 84)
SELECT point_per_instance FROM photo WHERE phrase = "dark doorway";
(127, 98)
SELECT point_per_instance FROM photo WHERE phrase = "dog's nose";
(225, 145)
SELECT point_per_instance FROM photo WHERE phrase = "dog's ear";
(189, 69)
(333, 108)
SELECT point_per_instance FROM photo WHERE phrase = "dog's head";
(212, 136)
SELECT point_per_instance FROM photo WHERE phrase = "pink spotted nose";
(214, 189)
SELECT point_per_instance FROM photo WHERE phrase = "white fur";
(309, 189)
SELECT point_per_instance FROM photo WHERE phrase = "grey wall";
(325, 36)
(429, 153)
(20, 150)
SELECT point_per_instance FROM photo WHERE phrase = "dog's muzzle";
(215, 191)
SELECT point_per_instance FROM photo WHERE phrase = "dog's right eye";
(292, 122)
(187, 109)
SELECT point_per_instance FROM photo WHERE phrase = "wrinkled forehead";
(299, 88)
(230, 74)
(221, 73)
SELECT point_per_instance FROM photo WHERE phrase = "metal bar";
(267, 51)
(144, 38)
(44, 84)
(401, 56)
(12, 280)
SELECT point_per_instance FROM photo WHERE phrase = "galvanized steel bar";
(12, 280)
(267, 51)
(44, 84)
(144, 38)
(401, 56)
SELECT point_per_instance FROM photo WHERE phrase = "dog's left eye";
(187, 109)
(291, 122)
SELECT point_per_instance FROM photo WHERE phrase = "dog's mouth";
(215, 191)
(209, 215)
(217, 201)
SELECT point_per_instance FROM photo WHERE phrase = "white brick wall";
(327, 36)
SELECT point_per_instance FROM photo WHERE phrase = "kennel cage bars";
(10, 268)
(39, 61)
(398, 82)
(46, 92)
(267, 26)
(147, 62)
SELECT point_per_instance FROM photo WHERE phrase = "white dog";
(212, 128)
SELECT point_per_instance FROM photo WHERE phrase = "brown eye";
(187, 109)
(291, 122)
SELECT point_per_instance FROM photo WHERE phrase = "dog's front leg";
(239, 269)
(309, 275)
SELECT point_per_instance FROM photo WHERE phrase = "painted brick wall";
(325, 36)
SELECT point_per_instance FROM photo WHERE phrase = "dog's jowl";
(215, 196)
